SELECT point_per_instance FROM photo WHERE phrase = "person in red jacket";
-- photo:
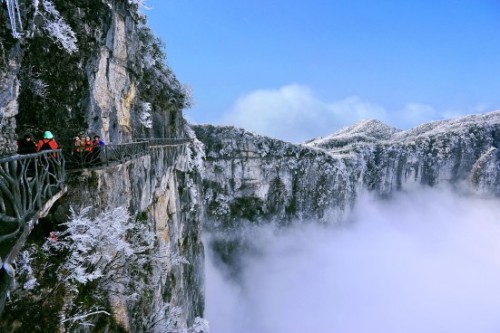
(88, 147)
(47, 143)
(87, 144)
(77, 145)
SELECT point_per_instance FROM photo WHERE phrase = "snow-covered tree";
(56, 26)
(53, 23)
(159, 84)
(187, 90)
(200, 326)
(138, 3)
(100, 247)
(14, 17)
(145, 114)
(32, 80)
(104, 250)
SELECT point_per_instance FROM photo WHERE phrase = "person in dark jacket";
(98, 144)
(26, 145)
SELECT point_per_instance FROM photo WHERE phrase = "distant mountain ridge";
(255, 177)
(364, 131)
(251, 179)
(373, 130)
(368, 130)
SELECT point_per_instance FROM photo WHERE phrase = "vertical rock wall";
(113, 90)
(162, 187)
(254, 178)
(250, 177)
(9, 90)
(114, 79)
(10, 56)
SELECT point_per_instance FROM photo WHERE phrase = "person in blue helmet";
(47, 143)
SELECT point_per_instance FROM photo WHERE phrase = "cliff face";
(111, 80)
(9, 90)
(160, 190)
(90, 67)
(95, 67)
(132, 93)
(156, 285)
(460, 152)
(254, 177)
(250, 179)
(9, 87)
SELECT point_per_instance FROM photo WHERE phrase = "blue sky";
(300, 69)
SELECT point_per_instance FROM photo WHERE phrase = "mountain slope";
(251, 176)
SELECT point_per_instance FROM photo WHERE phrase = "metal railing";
(26, 183)
(31, 183)
(105, 155)
(165, 141)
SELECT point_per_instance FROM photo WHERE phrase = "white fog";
(428, 261)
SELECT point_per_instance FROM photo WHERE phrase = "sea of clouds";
(427, 261)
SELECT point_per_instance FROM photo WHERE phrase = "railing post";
(27, 182)
(106, 155)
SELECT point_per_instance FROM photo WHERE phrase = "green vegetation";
(247, 208)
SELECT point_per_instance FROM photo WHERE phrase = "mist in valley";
(426, 261)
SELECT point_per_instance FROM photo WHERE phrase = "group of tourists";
(83, 147)
(86, 145)
(28, 146)
(88, 150)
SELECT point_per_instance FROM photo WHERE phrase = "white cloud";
(421, 262)
(289, 113)
(294, 113)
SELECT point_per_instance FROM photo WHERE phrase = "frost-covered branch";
(23, 263)
(34, 83)
(56, 26)
(145, 114)
(200, 326)
(188, 95)
(139, 3)
(104, 250)
(101, 247)
(14, 17)
(83, 316)
(160, 81)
